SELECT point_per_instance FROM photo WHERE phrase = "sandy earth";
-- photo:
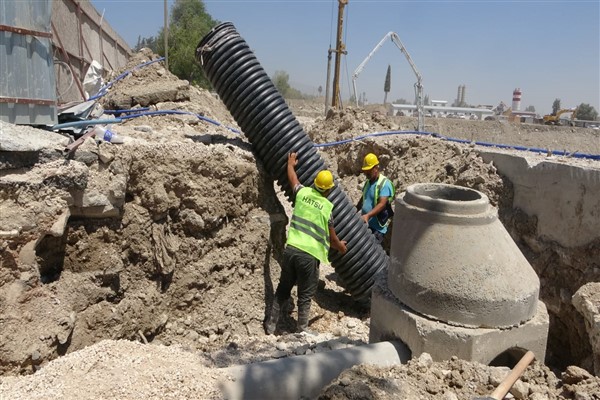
(175, 236)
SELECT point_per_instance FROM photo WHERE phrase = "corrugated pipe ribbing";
(262, 113)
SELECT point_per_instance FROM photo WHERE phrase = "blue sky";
(548, 49)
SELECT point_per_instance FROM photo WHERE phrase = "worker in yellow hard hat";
(310, 235)
(375, 204)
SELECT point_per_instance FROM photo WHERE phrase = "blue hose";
(166, 112)
(463, 141)
(86, 122)
(132, 110)
(369, 135)
(130, 116)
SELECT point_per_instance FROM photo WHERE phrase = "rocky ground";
(140, 270)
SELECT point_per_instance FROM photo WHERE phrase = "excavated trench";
(192, 256)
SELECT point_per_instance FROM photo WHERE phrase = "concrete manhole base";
(392, 320)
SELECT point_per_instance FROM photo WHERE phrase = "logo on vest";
(312, 203)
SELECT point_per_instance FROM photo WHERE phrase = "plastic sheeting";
(27, 85)
(92, 82)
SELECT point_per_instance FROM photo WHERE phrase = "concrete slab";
(24, 138)
(23, 146)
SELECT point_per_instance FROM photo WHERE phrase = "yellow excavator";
(551, 119)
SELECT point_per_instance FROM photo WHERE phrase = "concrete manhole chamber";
(457, 283)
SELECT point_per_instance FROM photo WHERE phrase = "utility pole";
(327, 86)
(166, 34)
(339, 50)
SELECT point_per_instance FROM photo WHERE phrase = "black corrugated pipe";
(273, 131)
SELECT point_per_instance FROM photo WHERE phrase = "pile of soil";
(421, 378)
(141, 269)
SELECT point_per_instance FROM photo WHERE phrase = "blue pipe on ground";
(128, 111)
(262, 113)
(86, 122)
(464, 141)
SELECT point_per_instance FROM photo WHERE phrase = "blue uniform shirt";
(369, 203)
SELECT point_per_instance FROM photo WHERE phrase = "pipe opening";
(446, 198)
(451, 193)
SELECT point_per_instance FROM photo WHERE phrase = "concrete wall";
(564, 198)
(556, 223)
(78, 28)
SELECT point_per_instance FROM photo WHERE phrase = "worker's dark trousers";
(378, 235)
(301, 268)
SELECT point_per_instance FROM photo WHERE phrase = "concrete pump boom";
(418, 85)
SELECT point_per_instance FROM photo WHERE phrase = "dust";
(175, 237)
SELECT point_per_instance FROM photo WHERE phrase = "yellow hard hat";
(370, 161)
(324, 181)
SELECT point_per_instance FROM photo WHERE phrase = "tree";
(294, 93)
(388, 83)
(426, 100)
(281, 80)
(555, 106)
(586, 112)
(149, 42)
(189, 22)
(320, 89)
(530, 109)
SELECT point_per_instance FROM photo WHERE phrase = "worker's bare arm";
(291, 172)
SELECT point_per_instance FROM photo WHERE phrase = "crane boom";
(418, 85)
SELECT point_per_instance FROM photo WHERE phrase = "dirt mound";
(421, 378)
(120, 370)
(144, 84)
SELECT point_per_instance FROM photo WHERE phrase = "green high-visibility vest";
(309, 229)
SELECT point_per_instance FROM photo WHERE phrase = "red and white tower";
(516, 104)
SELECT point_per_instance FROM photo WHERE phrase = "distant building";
(516, 104)
(523, 116)
(461, 96)
(439, 109)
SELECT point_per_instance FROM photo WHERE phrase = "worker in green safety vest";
(375, 204)
(310, 235)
